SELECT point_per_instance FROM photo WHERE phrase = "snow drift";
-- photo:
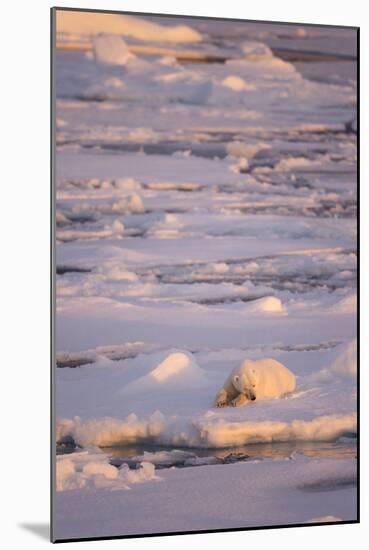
(205, 432)
(89, 24)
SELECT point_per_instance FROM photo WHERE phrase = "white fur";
(255, 380)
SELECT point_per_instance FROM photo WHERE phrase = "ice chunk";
(294, 163)
(118, 274)
(110, 49)
(220, 267)
(118, 227)
(135, 204)
(66, 477)
(165, 458)
(91, 469)
(98, 469)
(239, 149)
(145, 473)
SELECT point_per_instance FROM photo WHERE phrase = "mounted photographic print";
(204, 256)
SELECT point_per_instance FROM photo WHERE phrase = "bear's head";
(244, 379)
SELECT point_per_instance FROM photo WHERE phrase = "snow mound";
(239, 149)
(174, 364)
(269, 304)
(145, 473)
(220, 267)
(346, 305)
(344, 364)
(127, 184)
(91, 469)
(117, 227)
(300, 32)
(237, 84)
(97, 468)
(110, 49)
(135, 204)
(254, 51)
(90, 24)
(294, 163)
(118, 274)
(178, 368)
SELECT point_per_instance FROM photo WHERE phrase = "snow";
(83, 23)
(206, 214)
(176, 402)
(261, 494)
(206, 432)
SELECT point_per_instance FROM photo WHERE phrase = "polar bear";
(261, 379)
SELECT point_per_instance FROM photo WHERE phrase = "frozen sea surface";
(206, 212)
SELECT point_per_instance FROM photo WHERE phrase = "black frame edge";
(52, 268)
(358, 273)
